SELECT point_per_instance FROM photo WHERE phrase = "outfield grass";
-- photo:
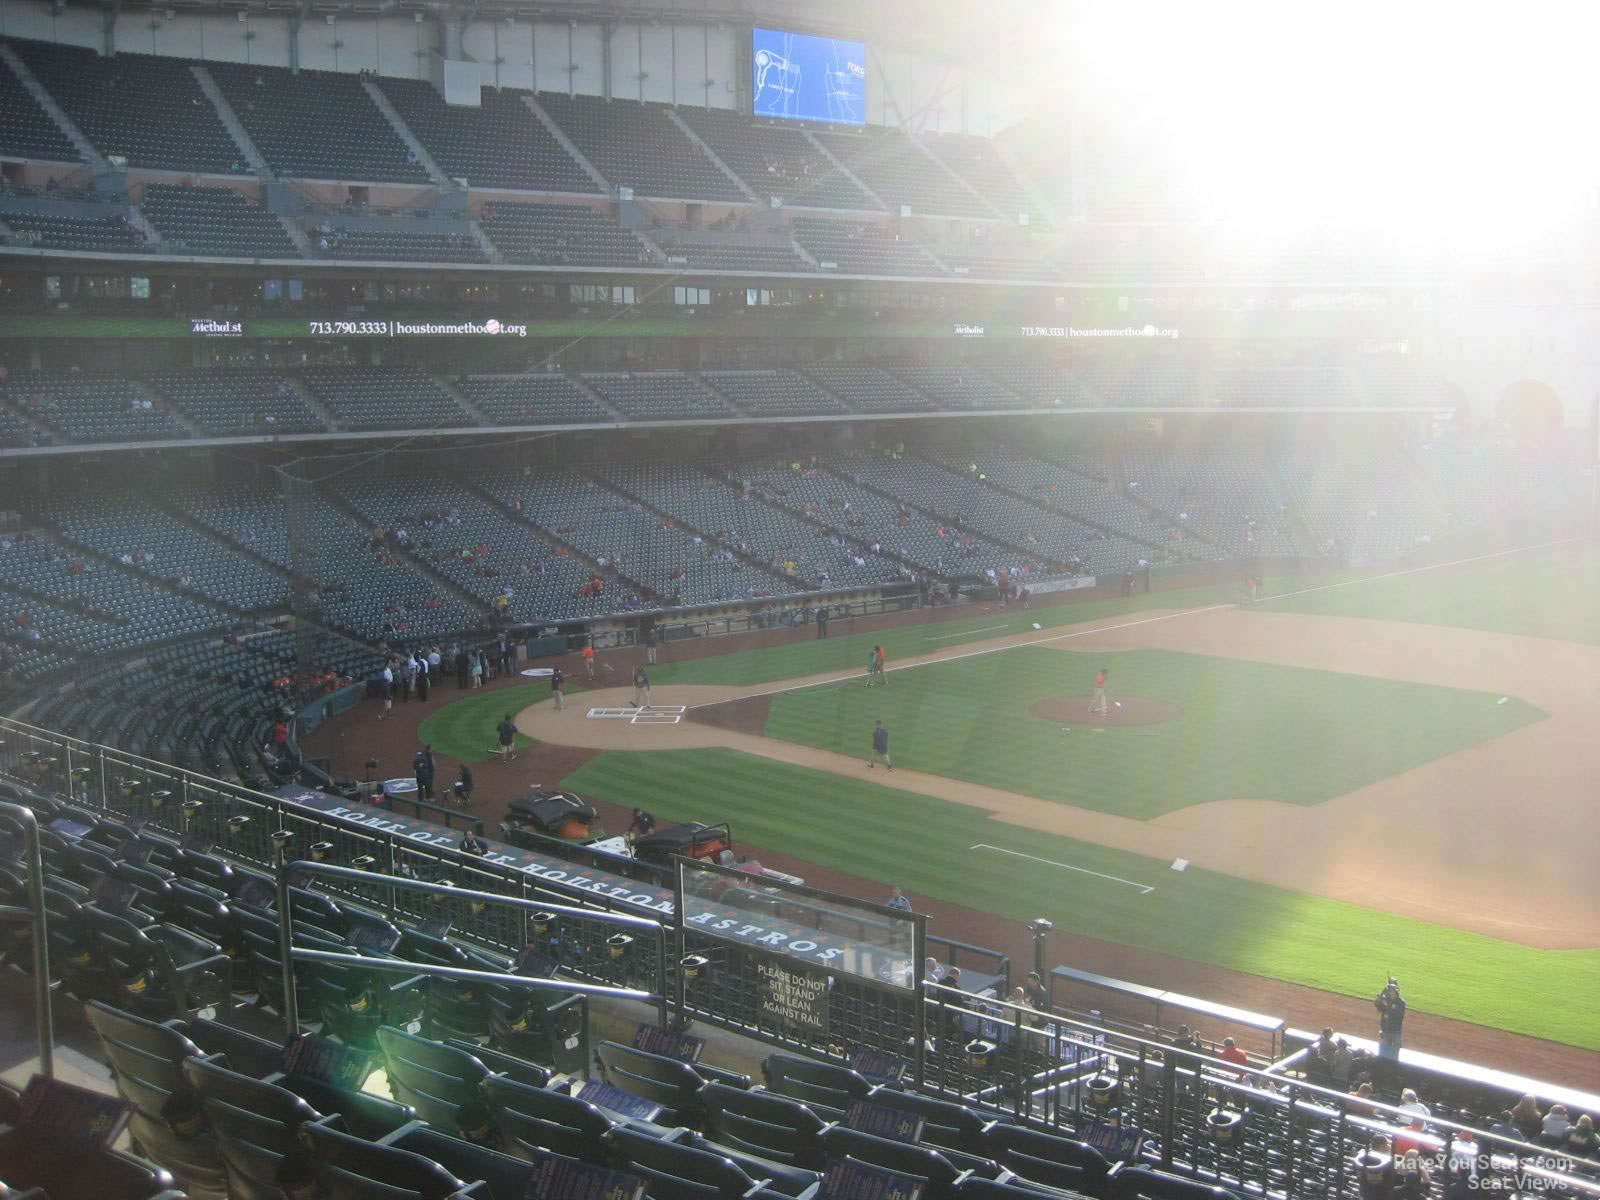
(1248, 730)
(1545, 594)
(844, 651)
(465, 729)
(924, 844)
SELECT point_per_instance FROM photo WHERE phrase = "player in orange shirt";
(1099, 706)
(882, 678)
(588, 659)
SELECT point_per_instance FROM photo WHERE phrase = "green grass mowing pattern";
(922, 844)
(1544, 594)
(466, 729)
(843, 651)
(1251, 731)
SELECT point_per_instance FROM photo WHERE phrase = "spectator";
(898, 899)
(1504, 1127)
(1555, 1127)
(1412, 1180)
(1341, 1064)
(471, 845)
(1411, 1103)
(1526, 1117)
(1391, 1008)
(1582, 1140)
(1360, 1102)
(932, 972)
(1376, 1170)
(1232, 1053)
(422, 765)
(952, 978)
(1038, 995)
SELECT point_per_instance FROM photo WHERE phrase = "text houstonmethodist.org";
(429, 329)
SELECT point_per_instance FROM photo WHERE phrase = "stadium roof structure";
(941, 28)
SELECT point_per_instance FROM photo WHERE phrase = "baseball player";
(872, 665)
(641, 688)
(880, 746)
(1098, 705)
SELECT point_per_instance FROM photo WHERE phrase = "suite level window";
(698, 297)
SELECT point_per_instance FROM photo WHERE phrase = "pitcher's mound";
(1134, 710)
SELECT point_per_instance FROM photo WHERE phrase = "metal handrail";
(288, 951)
(36, 915)
(1133, 1047)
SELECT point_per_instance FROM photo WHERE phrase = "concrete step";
(230, 121)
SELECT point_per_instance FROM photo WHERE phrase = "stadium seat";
(776, 160)
(431, 1077)
(26, 130)
(351, 1168)
(145, 108)
(827, 1088)
(1045, 1158)
(763, 1123)
(665, 1081)
(147, 1064)
(903, 1158)
(498, 144)
(636, 145)
(315, 124)
(677, 1171)
(532, 1119)
(218, 221)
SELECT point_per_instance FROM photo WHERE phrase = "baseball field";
(1369, 775)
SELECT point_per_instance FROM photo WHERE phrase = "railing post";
(1020, 1074)
(1293, 1162)
(39, 920)
(1169, 1097)
(291, 1000)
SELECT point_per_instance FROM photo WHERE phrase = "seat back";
(1143, 1183)
(255, 1124)
(825, 1087)
(147, 1061)
(433, 1078)
(900, 1157)
(653, 1077)
(679, 1172)
(349, 1168)
(1045, 1157)
(763, 1123)
(538, 1119)
(946, 1124)
(509, 1065)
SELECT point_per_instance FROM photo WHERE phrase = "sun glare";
(1469, 123)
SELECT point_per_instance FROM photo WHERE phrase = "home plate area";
(649, 714)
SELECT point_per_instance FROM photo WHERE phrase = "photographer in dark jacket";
(1391, 1008)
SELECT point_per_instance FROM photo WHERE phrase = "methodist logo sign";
(208, 327)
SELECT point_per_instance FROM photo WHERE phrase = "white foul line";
(967, 633)
(1172, 616)
(1146, 889)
